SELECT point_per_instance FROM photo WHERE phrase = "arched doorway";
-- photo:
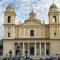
(31, 50)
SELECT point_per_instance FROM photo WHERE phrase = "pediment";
(32, 22)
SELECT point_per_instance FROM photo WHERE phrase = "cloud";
(24, 7)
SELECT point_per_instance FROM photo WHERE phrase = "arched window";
(9, 19)
(54, 18)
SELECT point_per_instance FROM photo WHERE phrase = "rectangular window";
(54, 34)
(31, 32)
(8, 34)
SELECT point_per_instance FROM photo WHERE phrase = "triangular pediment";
(32, 22)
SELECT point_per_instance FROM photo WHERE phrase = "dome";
(53, 6)
(10, 6)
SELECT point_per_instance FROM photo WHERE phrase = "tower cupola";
(53, 8)
(32, 15)
(53, 14)
(10, 8)
(10, 14)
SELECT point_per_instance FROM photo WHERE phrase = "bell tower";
(9, 21)
(53, 14)
(54, 22)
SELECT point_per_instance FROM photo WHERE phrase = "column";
(19, 32)
(6, 32)
(45, 48)
(11, 32)
(40, 48)
(28, 49)
(13, 49)
(24, 32)
(18, 43)
(23, 49)
(35, 48)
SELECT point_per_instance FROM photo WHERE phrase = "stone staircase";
(38, 57)
(33, 58)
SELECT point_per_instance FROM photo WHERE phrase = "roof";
(10, 6)
(53, 6)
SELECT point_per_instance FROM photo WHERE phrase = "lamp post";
(10, 54)
(18, 52)
(18, 49)
(26, 53)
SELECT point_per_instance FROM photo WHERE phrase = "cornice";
(31, 39)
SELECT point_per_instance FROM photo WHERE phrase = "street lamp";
(26, 53)
(18, 49)
(10, 53)
(18, 52)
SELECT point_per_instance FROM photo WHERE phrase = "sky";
(24, 7)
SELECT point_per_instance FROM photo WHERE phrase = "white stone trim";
(45, 48)
(23, 49)
(24, 32)
(28, 49)
(19, 31)
(40, 48)
(35, 48)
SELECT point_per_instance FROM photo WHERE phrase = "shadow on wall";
(1, 47)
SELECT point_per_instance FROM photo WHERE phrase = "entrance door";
(17, 51)
(47, 51)
(31, 50)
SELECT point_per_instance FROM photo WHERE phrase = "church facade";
(38, 38)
